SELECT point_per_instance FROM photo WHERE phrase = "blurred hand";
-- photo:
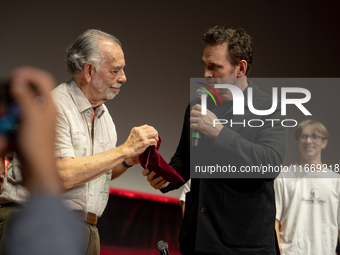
(158, 182)
(3, 144)
(36, 134)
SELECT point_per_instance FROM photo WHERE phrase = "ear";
(88, 70)
(242, 69)
(324, 143)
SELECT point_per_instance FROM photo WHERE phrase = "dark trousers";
(6, 213)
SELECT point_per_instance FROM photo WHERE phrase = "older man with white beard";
(87, 157)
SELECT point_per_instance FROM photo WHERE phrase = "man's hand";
(156, 183)
(80, 170)
(205, 123)
(36, 134)
(139, 139)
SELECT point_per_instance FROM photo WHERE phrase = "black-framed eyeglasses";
(313, 137)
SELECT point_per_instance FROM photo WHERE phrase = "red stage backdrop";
(133, 223)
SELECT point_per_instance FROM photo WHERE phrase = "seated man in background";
(307, 198)
(44, 225)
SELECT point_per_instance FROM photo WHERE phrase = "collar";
(81, 101)
(227, 107)
(255, 92)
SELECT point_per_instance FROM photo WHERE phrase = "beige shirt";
(73, 139)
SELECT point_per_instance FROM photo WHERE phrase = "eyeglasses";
(313, 137)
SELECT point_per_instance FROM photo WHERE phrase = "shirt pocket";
(107, 185)
(104, 146)
(79, 143)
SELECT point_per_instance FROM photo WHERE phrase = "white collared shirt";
(73, 139)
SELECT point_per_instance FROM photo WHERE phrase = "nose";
(122, 78)
(207, 73)
(309, 139)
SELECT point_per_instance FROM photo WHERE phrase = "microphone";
(162, 247)
(196, 136)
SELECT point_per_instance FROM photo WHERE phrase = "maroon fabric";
(150, 159)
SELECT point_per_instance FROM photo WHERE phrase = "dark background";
(163, 48)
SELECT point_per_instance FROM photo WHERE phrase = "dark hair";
(240, 45)
(85, 49)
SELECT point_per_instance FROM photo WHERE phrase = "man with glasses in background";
(307, 197)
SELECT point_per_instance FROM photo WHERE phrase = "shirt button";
(203, 209)
(91, 194)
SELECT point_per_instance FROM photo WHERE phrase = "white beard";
(108, 93)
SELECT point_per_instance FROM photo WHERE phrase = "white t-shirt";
(186, 188)
(308, 211)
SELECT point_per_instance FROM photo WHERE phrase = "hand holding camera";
(32, 128)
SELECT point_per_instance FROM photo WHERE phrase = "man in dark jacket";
(229, 215)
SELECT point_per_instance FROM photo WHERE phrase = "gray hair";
(85, 49)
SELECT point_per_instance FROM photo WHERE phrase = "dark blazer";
(232, 215)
